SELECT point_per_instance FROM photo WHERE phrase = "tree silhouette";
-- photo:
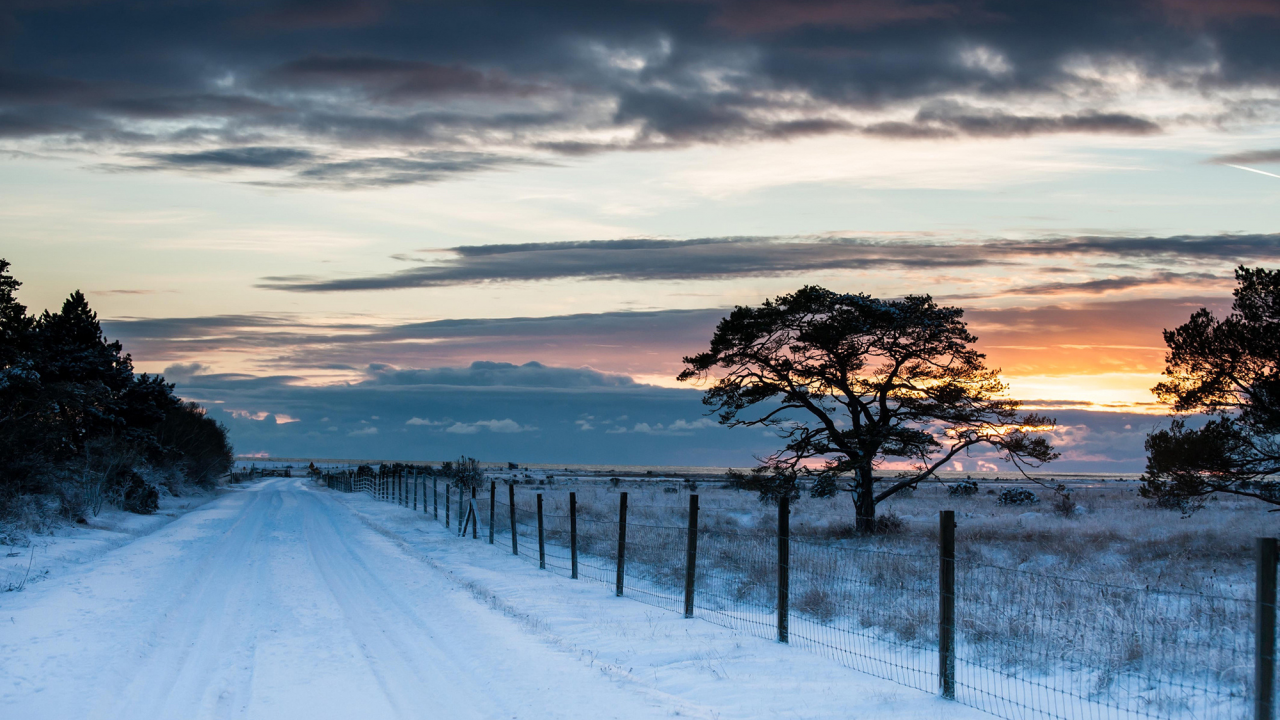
(1228, 369)
(850, 381)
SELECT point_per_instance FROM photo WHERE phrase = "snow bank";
(71, 546)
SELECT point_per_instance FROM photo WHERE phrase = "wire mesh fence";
(1026, 644)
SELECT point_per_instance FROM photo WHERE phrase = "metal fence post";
(542, 547)
(511, 497)
(1264, 660)
(784, 566)
(493, 499)
(622, 540)
(573, 536)
(691, 556)
(947, 603)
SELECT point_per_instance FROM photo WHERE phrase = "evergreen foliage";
(78, 424)
(1228, 369)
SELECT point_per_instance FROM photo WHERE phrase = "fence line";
(1013, 643)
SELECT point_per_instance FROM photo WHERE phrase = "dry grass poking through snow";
(1119, 603)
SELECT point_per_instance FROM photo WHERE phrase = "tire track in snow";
(185, 647)
(401, 651)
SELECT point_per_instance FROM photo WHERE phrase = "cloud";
(498, 426)
(290, 344)
(306, 14)
(182, 372)
(382, 91)
(425, 422)
(1024, 336)
(548, 432)
(1163, 280)
(282, 419)
(677, 427)
(660, 259)
(309, 169)
(497, 374)
(391, 79)
(637, 259)
(1250, 157)
(946, 118)
(230, 158)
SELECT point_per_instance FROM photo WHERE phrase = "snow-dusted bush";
(1017, 496)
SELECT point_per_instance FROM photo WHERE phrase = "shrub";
(889, 523)
(138, 496)
(1017, 496)
(817, 602)
(1184, 505)
(1063, 503)
(964, 488)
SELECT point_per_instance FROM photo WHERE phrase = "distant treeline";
(79, 429)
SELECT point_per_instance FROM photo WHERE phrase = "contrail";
(1260, 172)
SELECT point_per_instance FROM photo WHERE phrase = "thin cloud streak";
(1254, 170)
(717, 258)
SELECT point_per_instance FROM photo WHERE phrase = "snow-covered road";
(283, 601)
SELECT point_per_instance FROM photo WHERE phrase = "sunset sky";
(348, 226)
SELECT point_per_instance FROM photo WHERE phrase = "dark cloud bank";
(358, 93)
(535, 413)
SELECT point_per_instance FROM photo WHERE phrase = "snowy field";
(282, 600)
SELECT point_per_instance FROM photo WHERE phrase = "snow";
(281, 600)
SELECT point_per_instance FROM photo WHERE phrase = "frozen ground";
(280, 600)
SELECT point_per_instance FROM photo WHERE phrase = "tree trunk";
(864, 500)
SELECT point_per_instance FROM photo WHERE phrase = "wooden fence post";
(622, 540)
(475, 526)
(691, 556)
(435, 496)
(446, 504)
(461, 500)
(573, 535)
(415, 490)
(542, 546)
(511, 500)
(493, 500)
(1264, 660)
(784, 566)
(947, 603)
